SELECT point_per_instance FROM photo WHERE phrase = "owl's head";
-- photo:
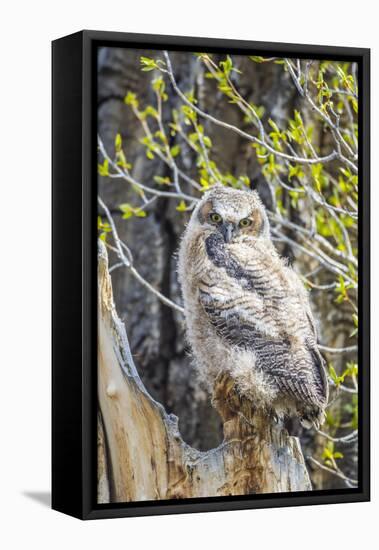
(237, 215)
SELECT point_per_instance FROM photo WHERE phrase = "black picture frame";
(74, 275)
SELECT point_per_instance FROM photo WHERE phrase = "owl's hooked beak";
(227, 230)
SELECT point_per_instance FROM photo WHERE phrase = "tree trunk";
(141, 453)
(155, 331)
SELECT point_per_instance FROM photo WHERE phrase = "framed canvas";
(211, 275)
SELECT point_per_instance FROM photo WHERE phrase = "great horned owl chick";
(247, 313)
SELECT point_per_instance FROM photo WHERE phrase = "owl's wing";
(301, 377)
(232, 307)
(318, 364)
(319, 370)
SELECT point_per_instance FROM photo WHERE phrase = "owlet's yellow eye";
(245, 222)
(215, 218)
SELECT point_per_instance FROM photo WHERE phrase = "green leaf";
(329, 454)
(148, 64)
(175, 150)
(191, 96)
(150, 111)
(257, 58)
(103, 225)
(125, 207)
(162, 181)
(298, 118)
(159, 86)
(121, 160)
(128, 211)
(118, 143)
(204, 183)
(333, 374)
(245, 180)
(207, 141)
(273, 125)
(104, 228)
(131, 99)
(182, 207)
(103, 169)
(295, 171)
(226, 65)
(189, 113)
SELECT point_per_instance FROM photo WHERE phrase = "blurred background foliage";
(171, 126)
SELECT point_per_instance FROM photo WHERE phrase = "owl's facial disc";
(227, 228)
(231, 220)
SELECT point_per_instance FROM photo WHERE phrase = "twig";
(303, 231)
(126, 176)
(328, 158)
(347, 349)
(330, 266)
(349, 482)
(346, 440)
(128, 261)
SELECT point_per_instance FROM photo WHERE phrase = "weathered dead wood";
(102, 465)
(141, 453)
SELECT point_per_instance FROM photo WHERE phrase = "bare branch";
(127, 177)
(349, 482)
(328, 158)
(326, 263)
(347, 349)
(345, 440)
(127, 261)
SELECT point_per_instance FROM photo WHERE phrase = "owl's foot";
(313, 418)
